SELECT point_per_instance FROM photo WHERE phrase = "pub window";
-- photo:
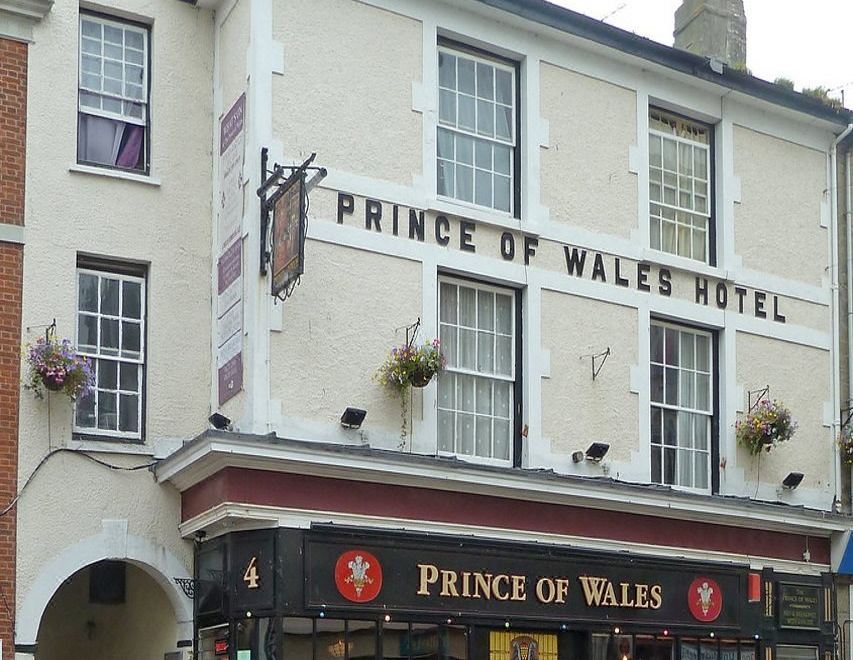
(792, 652)
(111, 332)
(476, 129)
(112, 112)
(476, 391)
(680, 184)
(681, 397)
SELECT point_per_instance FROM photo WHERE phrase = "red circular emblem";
(705, 599)
(358, 576)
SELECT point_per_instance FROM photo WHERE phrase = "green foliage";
(787, 83)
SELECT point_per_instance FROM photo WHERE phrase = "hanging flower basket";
(845, 444)
(768, 424)
(56, 366)
(409, 366)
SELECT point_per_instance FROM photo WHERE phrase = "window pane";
(484, 396)
(85, 410)
(447, 70)
(670, 346)
(486, 118)
(656, 383)
(107, 375)
(466, 76)
(503, 355)
(503, 122)
(687, 397)
(484, 436)
(700, 432)
(483, 188)
(465, 183)
(483, 154)
(502, 193)
(685, 430)
(485, 310)
(109, 336)
(671, 386)
(109, 296)
(465, 433)
(466, 112)
(445, 178)
(503, 86)
(485, 81)
(129, 377)
(670, 427)
(502, 159)
(447, 335)
(502, 439)
(700, 470)
(465, 149)
(130, 339)
(703, 392)
(504, 313)
(703, 353)
(91, 29)
(445, 144)
(445, 430)
(465, 393)
(655, 419)
(87, 332)
(131, 304)
(467, 307)
(654, 151)
(447, 107)
(656, 344)
(107, 417)
(128, 413)
(502, 397)
(485, 352)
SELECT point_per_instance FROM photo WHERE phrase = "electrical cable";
(59, 450)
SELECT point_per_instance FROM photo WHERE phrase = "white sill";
(110, 446)
(114, 174)
(468, 211)
(661, 258)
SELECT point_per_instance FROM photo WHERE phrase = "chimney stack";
(713, 28)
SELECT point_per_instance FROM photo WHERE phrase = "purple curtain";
(129, 154)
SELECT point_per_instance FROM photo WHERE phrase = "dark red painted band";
(392, 501)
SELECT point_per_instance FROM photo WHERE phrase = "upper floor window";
(681, 406)
(476, 390)
(679, 186)
(112, 111)
(476, 130)
(111, 331)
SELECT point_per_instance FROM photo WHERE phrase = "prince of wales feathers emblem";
(705, 592)
(358, 576)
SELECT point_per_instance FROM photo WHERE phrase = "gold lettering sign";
(597, 591)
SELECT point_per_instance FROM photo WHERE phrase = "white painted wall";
(162, 220)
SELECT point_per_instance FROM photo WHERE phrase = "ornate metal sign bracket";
(759, 395)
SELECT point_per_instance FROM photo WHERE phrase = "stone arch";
(112, 543)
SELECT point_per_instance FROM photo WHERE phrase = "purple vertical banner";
(230, 378)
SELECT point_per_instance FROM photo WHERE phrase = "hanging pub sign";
(284, 216)
(288, 234)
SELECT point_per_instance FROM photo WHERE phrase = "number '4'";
(250, 577)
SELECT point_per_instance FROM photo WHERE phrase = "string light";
(506, 624)
(387, 617)
(616, 630)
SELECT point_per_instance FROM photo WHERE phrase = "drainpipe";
(848, 216)
(836, 393)
(833, 187)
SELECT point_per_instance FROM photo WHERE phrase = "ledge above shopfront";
(234, 481)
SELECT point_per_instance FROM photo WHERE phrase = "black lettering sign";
(530, 245)
(442, 230)
(507, 246)
(346, 204)
(466, 233)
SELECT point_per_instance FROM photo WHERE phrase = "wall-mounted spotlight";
(220, 422)
(597, 451)
(792, 480)
(352, 418)
(577, 456)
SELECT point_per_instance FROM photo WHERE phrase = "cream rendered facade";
(73, 512)
(584, 184)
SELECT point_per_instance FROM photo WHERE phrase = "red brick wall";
(13, 117)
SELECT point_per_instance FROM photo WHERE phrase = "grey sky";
(808, 42)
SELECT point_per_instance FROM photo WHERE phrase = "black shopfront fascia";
(292, 573)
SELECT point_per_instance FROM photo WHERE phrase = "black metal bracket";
(598, 366)
(413, 331)
(279, 175)
(759, 395)
(49, 329)
(187, 585)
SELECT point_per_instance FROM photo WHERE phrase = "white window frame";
(509, 379)
(121, 25)
(94, 356)
(460, 51)
(709, 414)
(677, 208)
